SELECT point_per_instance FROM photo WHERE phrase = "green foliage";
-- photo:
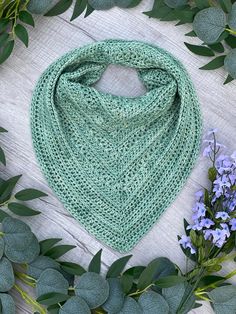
(7, 304)
(209, 24)
(158, 268)
(200, 50)
(130, 306)
(75, 305)
(93, 288)
(46, 245)
(230, 63)
(22, 210)
(115, 300)
(232, 17)
(175, 298)
(118, 266)
(59, 250)
(40, 264)
(95, 264)
(51, 280)
(224, 299)
(7, 278)
(153, 303)
(21, 245)
(29, 194)
(72, 268)
(176, 3)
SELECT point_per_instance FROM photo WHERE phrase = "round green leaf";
(209, 24)
(175, 3)
(174, 296)
(40, 264)
(7, 278)
(123, 3)
(93, 289)
(232, 17)
(224, 299)
(230, 63)
(101, 4)
(153, 303)
(26, 255)
(75, 305)
(40, 7)
(1, 247)
(51, 281)
(130, 306)
(8, 304)
(115, 300)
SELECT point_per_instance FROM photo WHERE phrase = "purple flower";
(225, 227)
(200, 210)
(206, 222)
(232, 223)
(199, 195)
(208, 234)
(186, 243)
(222, 215)
(219, 236)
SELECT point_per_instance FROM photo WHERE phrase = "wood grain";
(51, 38)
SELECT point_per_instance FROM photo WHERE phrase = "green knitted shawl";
(116, 162)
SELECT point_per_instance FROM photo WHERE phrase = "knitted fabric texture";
(116, 162)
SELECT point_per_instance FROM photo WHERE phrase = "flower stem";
(29, 300)
(140, 291)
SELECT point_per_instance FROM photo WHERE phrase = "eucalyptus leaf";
(41, 263)
(3, 215)
(153, 303)
(231, 41)
(224, 299)
(51, 280)
(124, 3)
(230, 63)
(95, 264)
(226, 5)
(26, 255)
(101, 4)
(75, 305)
(126, 282)
(176, 295)
(158, 268)
(40, 7)
(93, 289)
(17, 234)
(7, 278)
(52, 298)
(130, 306)
(209, 24)
(175, 3)
(7, 303)
(232, 17)
(2, 245)
(115, 300)
(118, 266)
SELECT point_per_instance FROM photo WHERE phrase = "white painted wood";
(51, 38)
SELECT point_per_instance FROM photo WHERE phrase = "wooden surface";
(51, 38)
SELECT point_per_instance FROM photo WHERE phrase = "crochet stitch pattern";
(116, 163)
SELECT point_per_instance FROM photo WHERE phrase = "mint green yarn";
(115, 162)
